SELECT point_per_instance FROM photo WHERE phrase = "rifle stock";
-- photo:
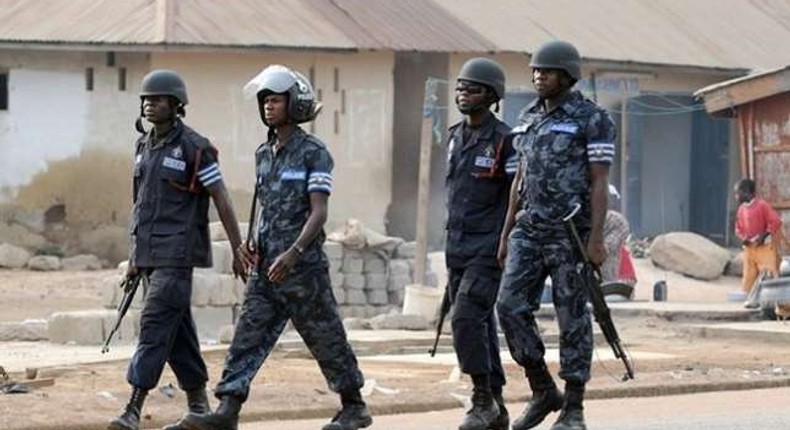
(445, 309)
(129, 285)
(591, 276)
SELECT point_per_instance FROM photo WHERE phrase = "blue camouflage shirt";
(556, 150)
(285, 180)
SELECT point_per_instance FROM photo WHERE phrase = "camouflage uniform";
(480, 169)
(285, 180)
(556, 150)
(169, 236)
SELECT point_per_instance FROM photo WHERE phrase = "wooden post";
(624, 156)
(423, 199)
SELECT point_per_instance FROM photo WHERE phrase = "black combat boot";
(546, 398)
(572, 416)
(354, 414)
(197, 403)
(485, 411)
(503, 421)
(130, 418)
(226, 417)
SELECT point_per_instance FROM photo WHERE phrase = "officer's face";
(274, 109)
(157, 109)
(548, 82)
(470, 97)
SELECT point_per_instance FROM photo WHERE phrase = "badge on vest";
(485, 162)
(177, 152)
(172, 163)
(565, 128)
(293, 175)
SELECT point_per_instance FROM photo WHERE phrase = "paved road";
(733, 410)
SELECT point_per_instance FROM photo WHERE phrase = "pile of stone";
(15, 257)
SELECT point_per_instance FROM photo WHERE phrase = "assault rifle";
(445, 309)
(591, 277)
(129, 285)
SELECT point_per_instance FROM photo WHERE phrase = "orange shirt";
(755, 218)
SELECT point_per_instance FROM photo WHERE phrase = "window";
(3, 90)
(122, 79)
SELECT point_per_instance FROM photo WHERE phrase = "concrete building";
(70, 84)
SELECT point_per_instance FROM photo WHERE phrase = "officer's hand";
(501, 253)
(131, 271)
(596, 252)
(239, 269)
(245, 257)
(278, 271)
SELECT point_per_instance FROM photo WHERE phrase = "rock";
(108, 242)
(398, 282)
(355, 297)
(406, 250)
(374, 264)
(123, 266)
(735, 266)
(396, 297)
(356, 324)
(20, 236)
(400, 268)
(27, 330)
(13, 257)
(352, 281)
(399, 322)
(217, 231)
(44, 263)
(336, 279)
(110, 291)
(377, 297)
(353, 262)
(90, 327)
(81, 262)
(689, 254)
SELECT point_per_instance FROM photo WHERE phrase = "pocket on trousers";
(482, 287)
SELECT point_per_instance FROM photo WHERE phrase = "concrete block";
(372, 311)
(336, 279)
(225, 292)
(222, 257)
(122, 267)
(395, 298)
(335, 265)
(110, 291)
(204, 281)
(217, 231)
(398, 282)
(355, 297)
(90, 327)
(406, 250)
(376, 282)
(353, 281)
(352, 311)
(374, 264)
(210, 320)
(13, 257)
(333, 250)
(400, 268)
(340, 295)
(399, 322)
(353, 261)
(44, 263)
(377, 297)
(356, 324)
(27, 330)
(226, 334)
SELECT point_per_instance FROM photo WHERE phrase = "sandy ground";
(291, 386)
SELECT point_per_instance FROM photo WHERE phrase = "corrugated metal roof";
(708, 33)
(704, 33)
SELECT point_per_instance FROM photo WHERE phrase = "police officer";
(481, 164)
(566, 143)
(290, 277)
(175, 173)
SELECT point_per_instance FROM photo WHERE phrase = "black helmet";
(164, 82)
(278, 79)
(557, 54)
(486, 72)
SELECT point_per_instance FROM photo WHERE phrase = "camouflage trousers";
(532, 256)
(473, 292)
(306, 299)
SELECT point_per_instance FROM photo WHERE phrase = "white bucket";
(420, 300)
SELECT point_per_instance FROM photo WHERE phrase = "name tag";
(293, 175)
(565, 128)
(486, 162)
(172, 163)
